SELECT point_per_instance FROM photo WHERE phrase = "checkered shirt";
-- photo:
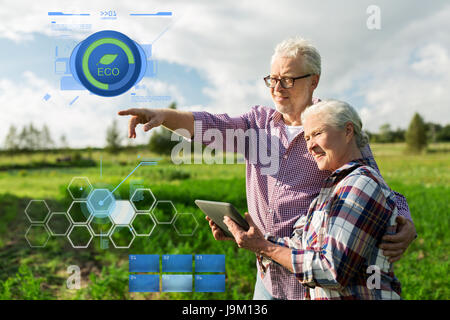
(334, 247)
(276, 201)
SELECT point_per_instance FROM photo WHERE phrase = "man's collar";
(278, 116)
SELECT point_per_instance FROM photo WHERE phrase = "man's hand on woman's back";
(395, 245)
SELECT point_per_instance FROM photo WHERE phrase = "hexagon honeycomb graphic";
(58, 224)
(185, 224)
(37, 211)
(37, 236)
(164, 212)
(143, 200)
(123, 212)
(80, 236)
(122, 237)
(101, 226)
(79, 188)
(101, 202)
(79, 212)
(143, 224)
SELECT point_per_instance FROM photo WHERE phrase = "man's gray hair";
(299, 47)
(337, 114)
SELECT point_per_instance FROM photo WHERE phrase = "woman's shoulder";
(364, 179)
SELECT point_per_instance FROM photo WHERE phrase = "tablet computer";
(218, 210)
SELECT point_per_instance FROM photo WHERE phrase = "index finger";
(392, 246)
(398, 237)
(129, 112)
(249, 219)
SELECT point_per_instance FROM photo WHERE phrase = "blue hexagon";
(101, 203)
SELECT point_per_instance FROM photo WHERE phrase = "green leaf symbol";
(108, 59)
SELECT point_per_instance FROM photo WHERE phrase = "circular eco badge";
(108, 63)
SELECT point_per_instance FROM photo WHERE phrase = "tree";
(113, 137)
(46, 138)
(160, 141)
(24, 141)
(416, 136)
(63, 142)
(398, 135)
(386, 133)
(12, 140)
(444, 134)
(34, 140)
(433, 131)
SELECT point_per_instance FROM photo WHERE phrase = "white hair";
(299, 47)
(337, 114)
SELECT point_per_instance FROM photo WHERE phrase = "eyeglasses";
(286, 83)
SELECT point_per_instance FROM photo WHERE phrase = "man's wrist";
(164, 115)
(267, 248)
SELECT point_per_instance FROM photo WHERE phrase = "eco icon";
(108, 63)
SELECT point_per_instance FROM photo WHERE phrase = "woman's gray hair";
(297, 46)
(337, 114)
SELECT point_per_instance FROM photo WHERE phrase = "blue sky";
(214, 54)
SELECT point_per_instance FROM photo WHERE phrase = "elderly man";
(276, 201)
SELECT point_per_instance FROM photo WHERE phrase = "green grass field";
(40, 273)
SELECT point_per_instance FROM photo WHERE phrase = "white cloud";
(433, 60)
(388, 73)
(418, 87)
(154, 87)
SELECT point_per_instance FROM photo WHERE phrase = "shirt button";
(285, 156)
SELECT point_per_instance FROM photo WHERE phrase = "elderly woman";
(334, 249)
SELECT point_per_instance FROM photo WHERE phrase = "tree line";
(434, 133)
(31, 138)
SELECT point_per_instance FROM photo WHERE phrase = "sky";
(212, 56)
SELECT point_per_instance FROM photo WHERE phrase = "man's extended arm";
(170, 118)
(196, 123)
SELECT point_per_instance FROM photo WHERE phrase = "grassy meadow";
(41, 273)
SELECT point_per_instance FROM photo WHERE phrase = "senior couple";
(325, 223)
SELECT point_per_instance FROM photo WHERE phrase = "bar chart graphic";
(155, 273)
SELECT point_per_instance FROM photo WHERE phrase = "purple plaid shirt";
(276, 201)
